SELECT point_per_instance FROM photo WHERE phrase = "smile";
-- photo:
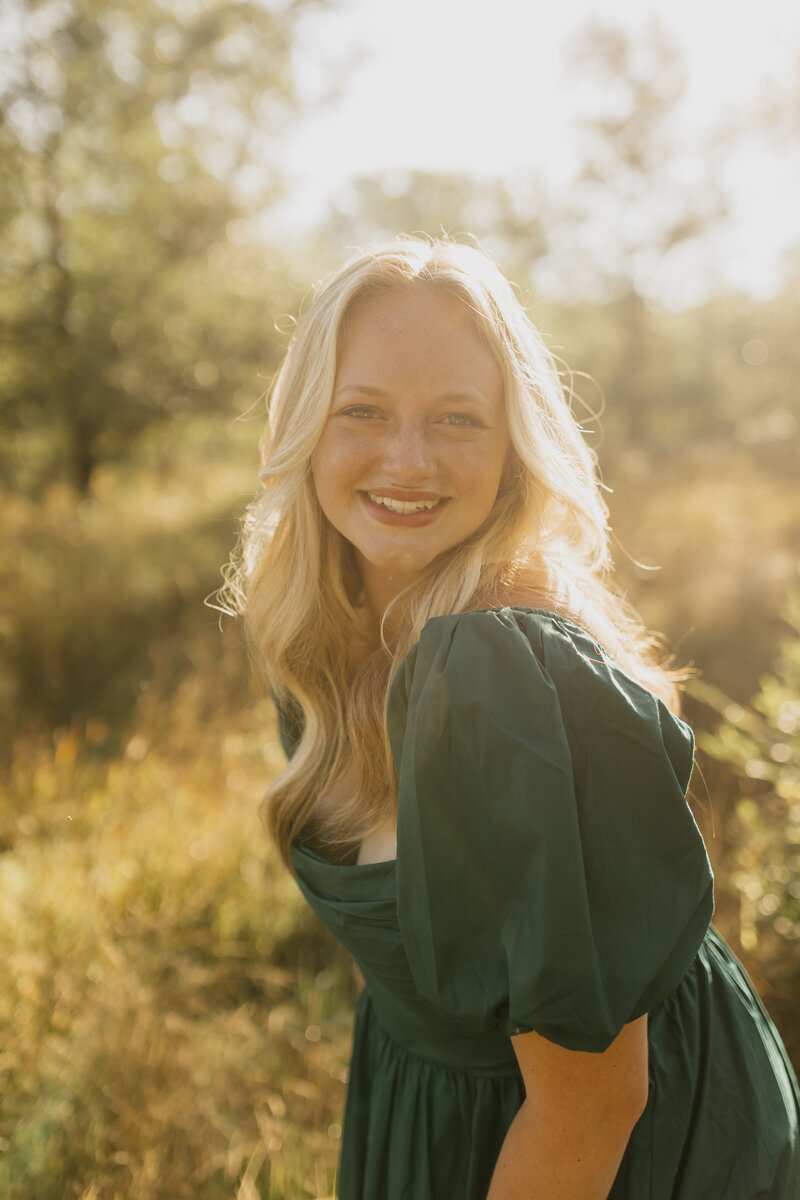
(404, 506)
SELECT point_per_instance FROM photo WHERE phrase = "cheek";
(483, 469)
(335, 468)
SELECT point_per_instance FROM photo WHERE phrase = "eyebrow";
(364, 389)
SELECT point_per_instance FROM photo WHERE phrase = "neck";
(380, 590)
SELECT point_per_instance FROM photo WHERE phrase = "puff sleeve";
(550, 875)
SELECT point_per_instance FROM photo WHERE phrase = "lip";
(411, 494)
(425, 516)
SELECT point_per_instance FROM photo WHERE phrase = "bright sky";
(485, 87)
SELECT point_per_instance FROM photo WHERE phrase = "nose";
(407, 456)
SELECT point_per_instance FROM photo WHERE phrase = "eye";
(360, 411)
(463, 421)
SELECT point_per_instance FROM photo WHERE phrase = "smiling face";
(412, 453)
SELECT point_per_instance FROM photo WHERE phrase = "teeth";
(402, 506)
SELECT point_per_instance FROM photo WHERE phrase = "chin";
(398, 564)
(402, 568)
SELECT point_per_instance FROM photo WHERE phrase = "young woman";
(485, 798)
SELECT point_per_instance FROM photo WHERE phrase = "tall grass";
(174, 1024)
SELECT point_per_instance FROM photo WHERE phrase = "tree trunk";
(83, 460)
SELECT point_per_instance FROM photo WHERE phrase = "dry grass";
(173, 1022)
(174, 1025)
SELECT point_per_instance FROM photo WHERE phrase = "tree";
(134, 143)
(637, 201)
(437, 203)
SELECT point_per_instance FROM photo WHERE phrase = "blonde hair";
(295, 580)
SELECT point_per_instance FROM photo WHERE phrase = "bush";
(760, 742)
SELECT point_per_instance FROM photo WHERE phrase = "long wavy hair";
(295, 581)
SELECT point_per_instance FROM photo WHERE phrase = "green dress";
(550, 877)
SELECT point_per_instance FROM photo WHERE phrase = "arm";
(567, 1140)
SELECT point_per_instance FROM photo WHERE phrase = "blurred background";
(174, 175)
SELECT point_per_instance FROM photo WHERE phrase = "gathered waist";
(439, 1041)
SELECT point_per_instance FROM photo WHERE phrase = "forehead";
(415, 329)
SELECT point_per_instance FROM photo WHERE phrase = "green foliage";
(761, 742)
(130, 134)
(717, 380)
(103, 597)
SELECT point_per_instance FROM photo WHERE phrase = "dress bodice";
(359, 906)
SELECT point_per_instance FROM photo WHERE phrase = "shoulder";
(510, 646)
(545, 848)
(468, 659)
(520, 667)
